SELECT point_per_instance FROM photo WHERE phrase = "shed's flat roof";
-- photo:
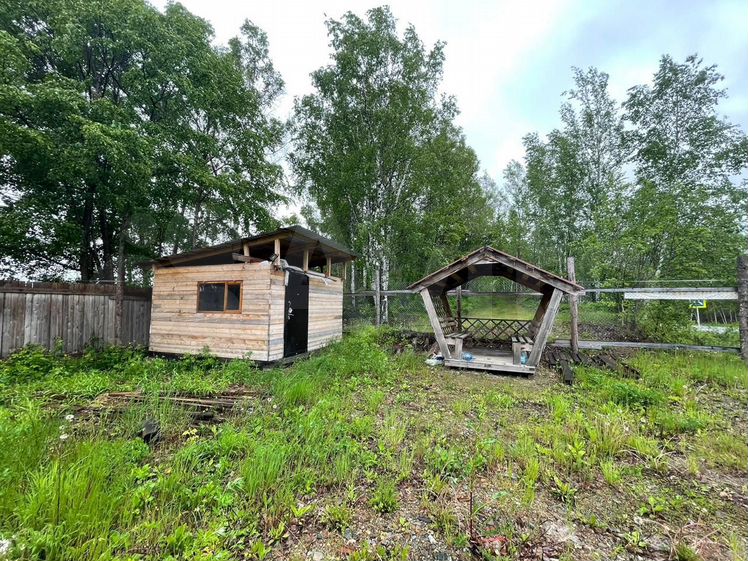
(294, 237)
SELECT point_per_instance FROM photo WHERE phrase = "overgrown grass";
(355, 437)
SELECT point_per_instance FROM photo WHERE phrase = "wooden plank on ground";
(598, 345)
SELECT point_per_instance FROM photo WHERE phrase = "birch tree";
(690, 167)
(361, 136)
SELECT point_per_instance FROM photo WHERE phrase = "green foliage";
(380, 553)
(724, 450)
(265, 466)
(379, 153)
(337, 517)
(669, 422)
(675, 370)
(564, 490)
(446, 460)
(619, 391)
(125, 126)
(664, 322)
(653, 507)
(611, 473)
(84, 486)
(683, 552)
(607, 434)
(28, 364)
(384, 499)
(634, 541)
(680, 216)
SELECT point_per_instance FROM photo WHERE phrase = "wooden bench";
(457, 340)
(520, 344)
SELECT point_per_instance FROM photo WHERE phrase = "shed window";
(219, 297)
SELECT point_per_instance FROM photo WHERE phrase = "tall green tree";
(594, 123)
(376, 150)
(555, 202)
(689, 163)
(513, 218)
(124, 130)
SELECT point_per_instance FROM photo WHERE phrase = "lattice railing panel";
(449, 324)
(494, 329)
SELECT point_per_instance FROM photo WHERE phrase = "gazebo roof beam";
(447, 276)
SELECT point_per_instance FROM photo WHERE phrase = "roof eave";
(237, 245)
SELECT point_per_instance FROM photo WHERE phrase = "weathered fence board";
(76, 314)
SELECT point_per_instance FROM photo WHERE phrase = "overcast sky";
(508, 61)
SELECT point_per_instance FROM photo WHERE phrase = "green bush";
(385, 499)
(28, 364)
(664, 322)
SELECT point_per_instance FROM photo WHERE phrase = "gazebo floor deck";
(490, 359)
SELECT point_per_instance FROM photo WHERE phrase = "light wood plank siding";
(325, 311)
(177, 326)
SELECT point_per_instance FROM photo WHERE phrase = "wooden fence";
(76, 314)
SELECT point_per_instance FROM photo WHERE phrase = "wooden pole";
(435, 325)
(573, 305)
(743, 304)
(545, 300)
(459, 308)
(544, 329)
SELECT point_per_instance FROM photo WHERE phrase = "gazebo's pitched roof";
(488, 261)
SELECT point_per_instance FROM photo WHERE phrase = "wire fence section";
(635, 314)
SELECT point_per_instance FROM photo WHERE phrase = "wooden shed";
(266, 297)
(513, 345)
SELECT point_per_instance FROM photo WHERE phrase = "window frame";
(225, 297)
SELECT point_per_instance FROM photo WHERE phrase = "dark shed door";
(296, 333)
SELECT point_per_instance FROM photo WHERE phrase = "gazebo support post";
(435, 325)
(459, 308)
(547, 317)
(545, 300)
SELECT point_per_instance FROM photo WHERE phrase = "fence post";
(572, 274)
(743, 304)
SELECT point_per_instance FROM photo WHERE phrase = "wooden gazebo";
(527, 338)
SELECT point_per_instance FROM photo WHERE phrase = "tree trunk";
(119, 294)
(385, 283)
(107, 242)
(743, 304)
(353, 285)
(378, 295)
(86, 263)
